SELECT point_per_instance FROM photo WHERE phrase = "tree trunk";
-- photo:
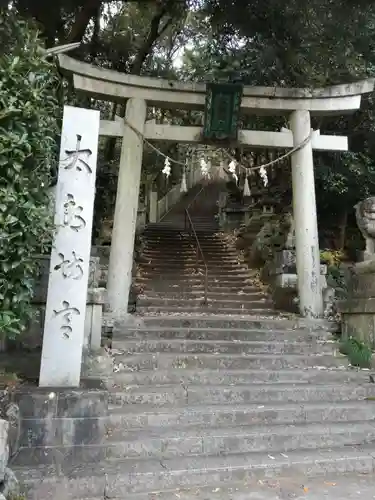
(136, 67)
(342, 229)
(82, 20)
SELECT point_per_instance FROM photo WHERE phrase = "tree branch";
(82, 20)
(148, 43)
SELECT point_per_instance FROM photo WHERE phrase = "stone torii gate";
(298, 104)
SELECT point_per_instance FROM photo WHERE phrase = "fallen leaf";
(305, 489)
(329, 483)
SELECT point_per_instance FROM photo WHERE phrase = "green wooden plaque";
(223, 102)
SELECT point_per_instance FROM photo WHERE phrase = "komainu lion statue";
(365, 215)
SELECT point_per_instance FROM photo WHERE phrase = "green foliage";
(293, 43)
(359, 354)
(335, 274)
(21, 496)
(337, 279)
(298, 44)
(331, 257)
(273, 236)
(262, 42)
(28, 130)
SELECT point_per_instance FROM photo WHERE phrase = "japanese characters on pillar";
(70, 256)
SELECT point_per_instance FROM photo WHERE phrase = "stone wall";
(58, 429)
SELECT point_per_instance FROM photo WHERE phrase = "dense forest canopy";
(262, 42)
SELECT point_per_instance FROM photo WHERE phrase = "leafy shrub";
(336, 277)
(271, 238)
(29, 115)
(359, 354)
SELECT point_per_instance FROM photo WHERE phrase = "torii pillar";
(125, 219)
(305, 219)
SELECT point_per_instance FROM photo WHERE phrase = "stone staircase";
(173, 275)
(212, 406)
(215, 407)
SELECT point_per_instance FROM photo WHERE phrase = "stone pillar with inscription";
(125, 219)
(69, 268)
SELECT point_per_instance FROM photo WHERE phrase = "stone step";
(206, 237)
(249, 304)
(198, 288)
(121, 478)
(173, 267)
(226, 361)
(241, 322)
(148, 417)
(186, 244)
(204, 233)
(177, 273)
(237, 275)
(178, 395)
(189, 257)
(217, 334)
(190, 252)
(210, 308)
(168, 443)
(183, 245)
(178, 251)
(185, 240)
(152, 345)
(146, 282)
(197, 278)
(218, 274)
(168, 229)
(177, 266)
(344, 486)
(246, 287)
(234, 377)
(167, 234)
(163, 284)
(198, 294)
(178, 218)
(177, 254)
(174, 294)
(178, 248)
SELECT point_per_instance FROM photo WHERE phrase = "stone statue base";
(358, 311)
(281, 275)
